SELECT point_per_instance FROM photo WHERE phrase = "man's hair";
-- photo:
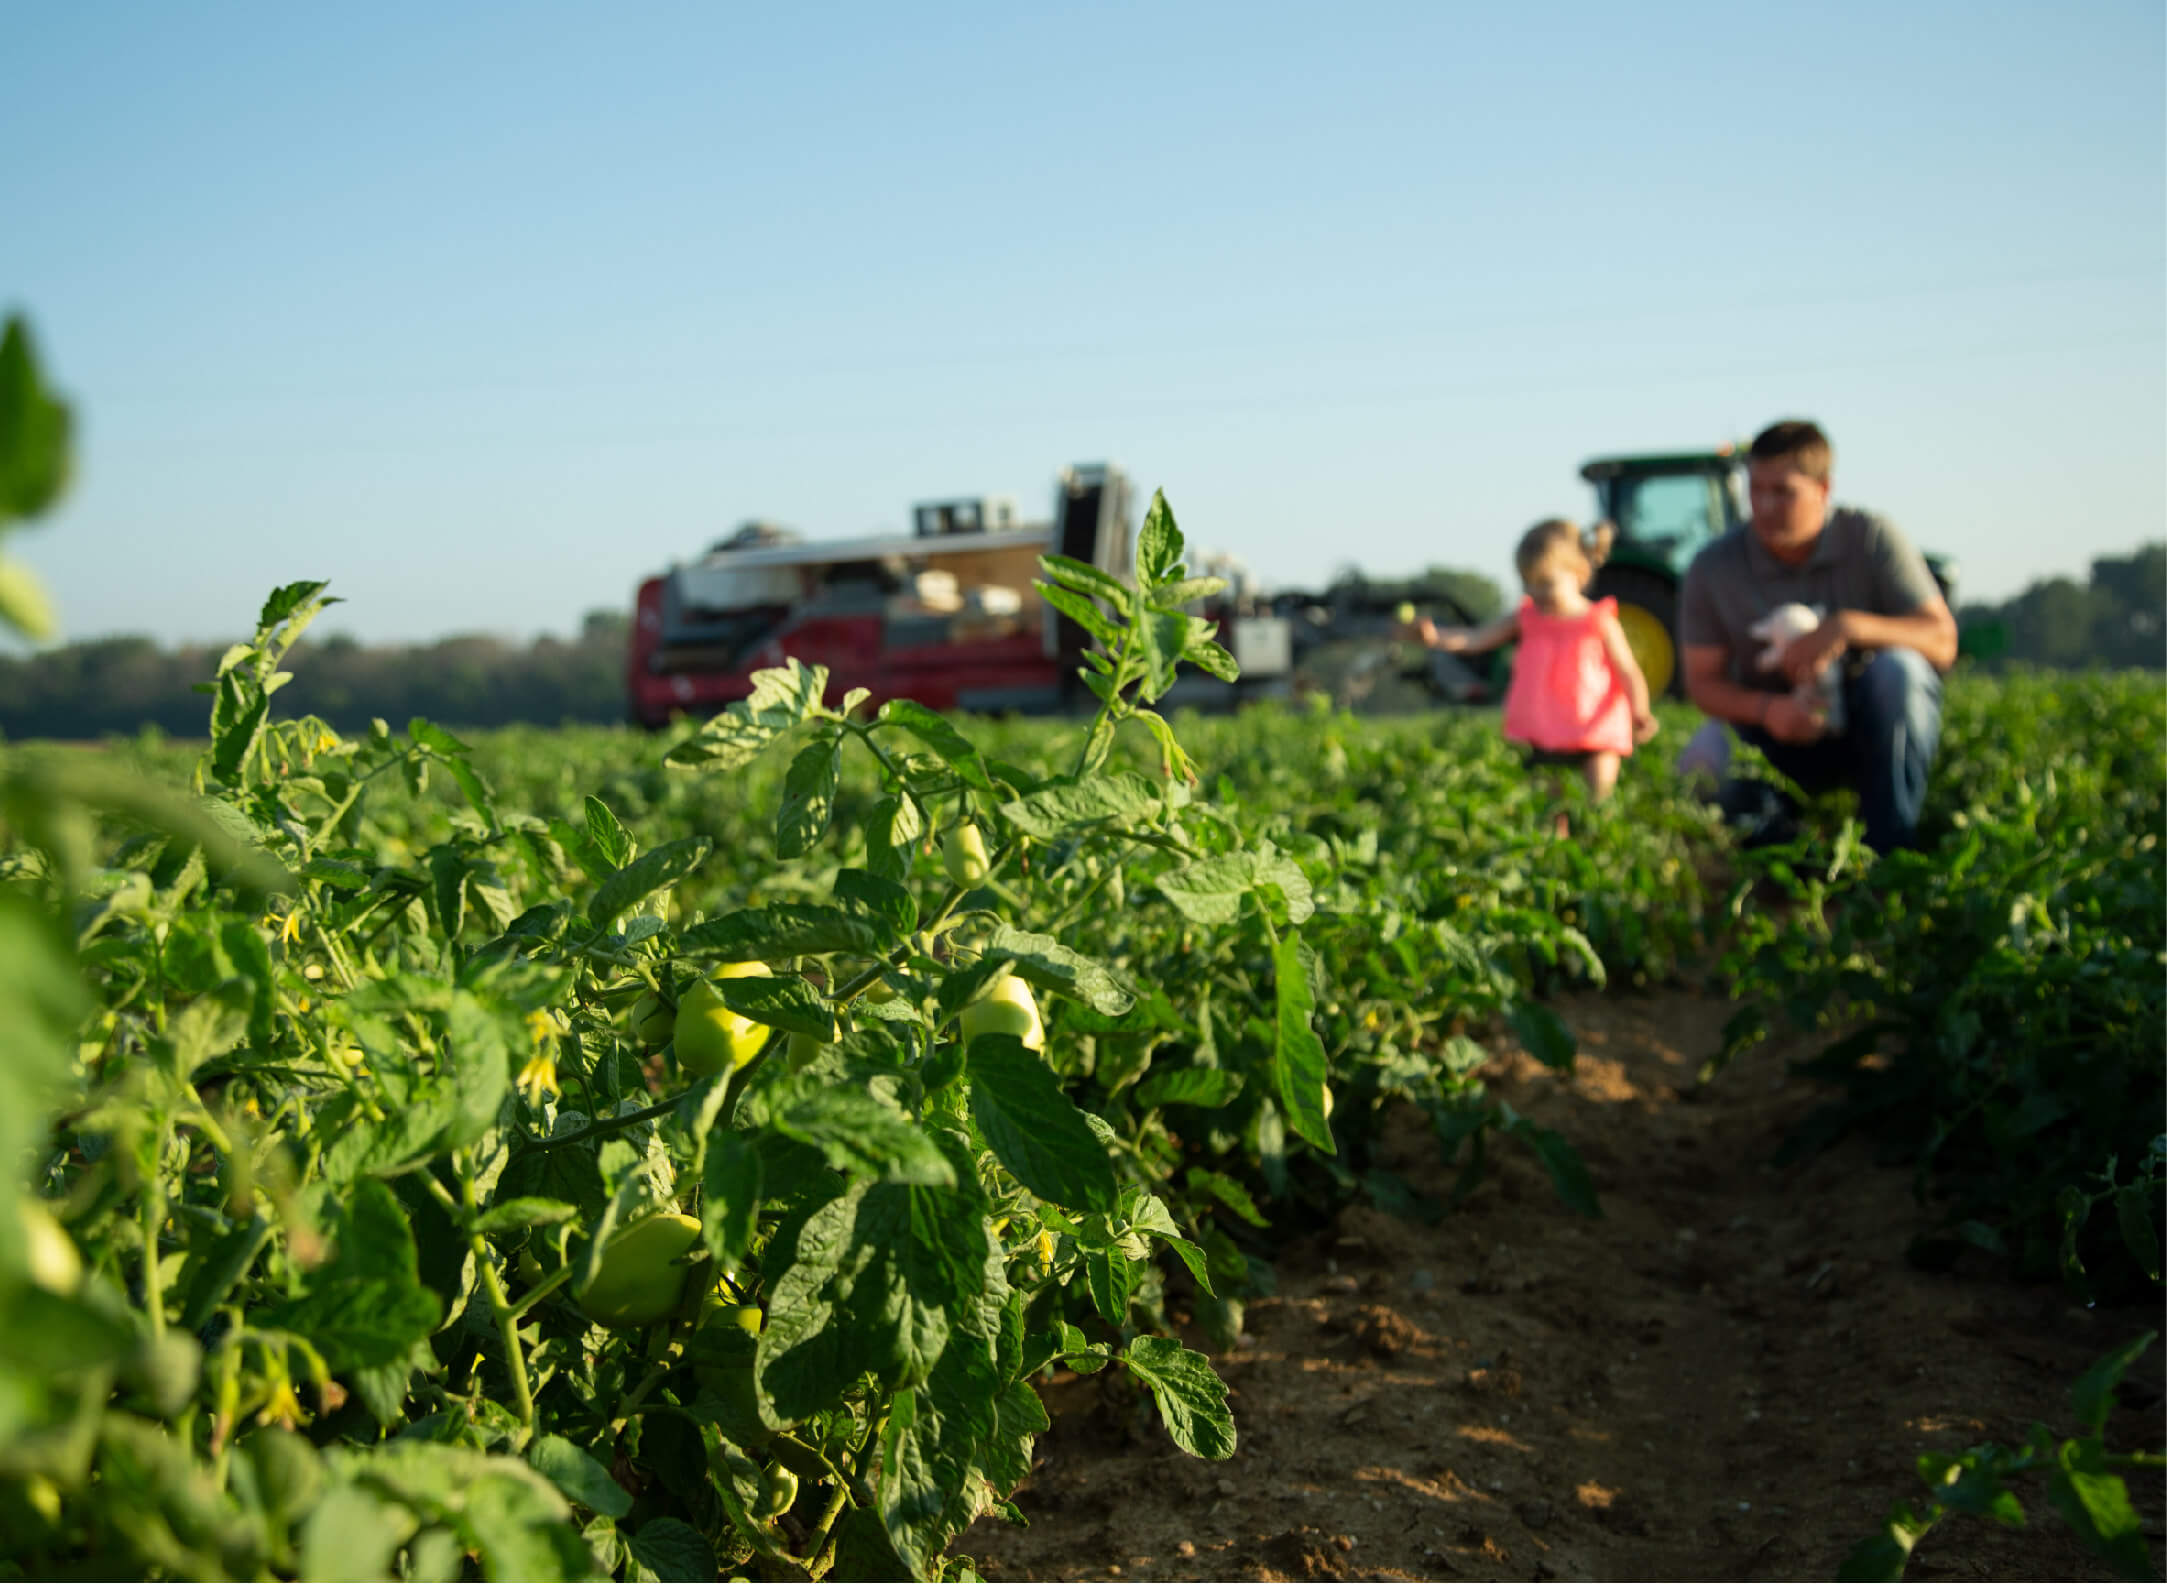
(1798, 441)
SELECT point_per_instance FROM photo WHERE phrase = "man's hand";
(1789, 721)
(1809, 654)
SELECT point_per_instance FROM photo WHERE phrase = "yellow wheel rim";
(1650, 642)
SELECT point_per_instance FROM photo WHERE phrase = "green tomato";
(801, 1052)
(778, 1492)
(964, 849)
(53, 1261)
(718, 1310)
(640, 1281)
(652, 1021)
(710, 1037)
(1007, 1009)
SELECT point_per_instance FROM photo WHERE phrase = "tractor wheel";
(1648, 611)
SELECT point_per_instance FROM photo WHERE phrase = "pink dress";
(1565, 697)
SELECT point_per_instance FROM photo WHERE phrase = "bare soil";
(1728, 1376)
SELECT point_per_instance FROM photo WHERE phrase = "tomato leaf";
(780, 1001)
(579, 1476)
(1191, 1398)
(1544, 1034)
(645, 875)
(808, 797)
(730, 1183)
(1297, 1053)
(786, 929)
(935, 732)
(1045, 962)
(1055, 810)
(1207, 1087)
(2096, 1504)
(1034, 1128)
(861, 1137)
(672, 1550)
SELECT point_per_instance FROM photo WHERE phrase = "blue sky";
(485, 313)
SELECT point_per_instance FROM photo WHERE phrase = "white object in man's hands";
(1779, 627)
(1823, 695)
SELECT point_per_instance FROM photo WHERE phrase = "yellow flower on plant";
(283, 1408)
(1045, 1248)
(540, 1072)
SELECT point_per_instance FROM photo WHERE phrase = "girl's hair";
(1556, 536)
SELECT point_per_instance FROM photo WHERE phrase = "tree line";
(2116, 618)
(119, 686)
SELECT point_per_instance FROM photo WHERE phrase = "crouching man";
(1885, 638)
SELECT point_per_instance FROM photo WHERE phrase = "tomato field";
(567, 1155)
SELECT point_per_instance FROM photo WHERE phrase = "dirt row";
(1728, 1376)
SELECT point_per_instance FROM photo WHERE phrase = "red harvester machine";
(947, 615)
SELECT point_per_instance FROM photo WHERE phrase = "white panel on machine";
(1263, 645)
(726, 588)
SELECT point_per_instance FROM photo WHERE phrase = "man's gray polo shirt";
(1860, 562)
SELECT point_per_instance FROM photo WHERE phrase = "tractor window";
(1670, 513)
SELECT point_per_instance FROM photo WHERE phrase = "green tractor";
(1666, 509)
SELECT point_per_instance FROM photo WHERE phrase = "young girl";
(1577, 695)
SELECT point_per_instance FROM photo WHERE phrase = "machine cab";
(1667, 509)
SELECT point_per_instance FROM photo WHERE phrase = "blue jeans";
(1892, 708)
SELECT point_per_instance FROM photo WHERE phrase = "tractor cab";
(1666, 510)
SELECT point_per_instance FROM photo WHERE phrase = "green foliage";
(2001, 998)
(343, 1132)
(2084, 1483)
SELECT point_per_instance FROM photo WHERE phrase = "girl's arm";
(1471, 640)
(1628, 670)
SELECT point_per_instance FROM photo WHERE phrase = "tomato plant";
(1999, 1002)
(395, 1251)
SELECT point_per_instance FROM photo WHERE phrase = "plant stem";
(858, 983)
(493, 1288)
(638, 1394)
(821, 1552)
(519, 1309)
(154, 1215)
(607, 1126)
